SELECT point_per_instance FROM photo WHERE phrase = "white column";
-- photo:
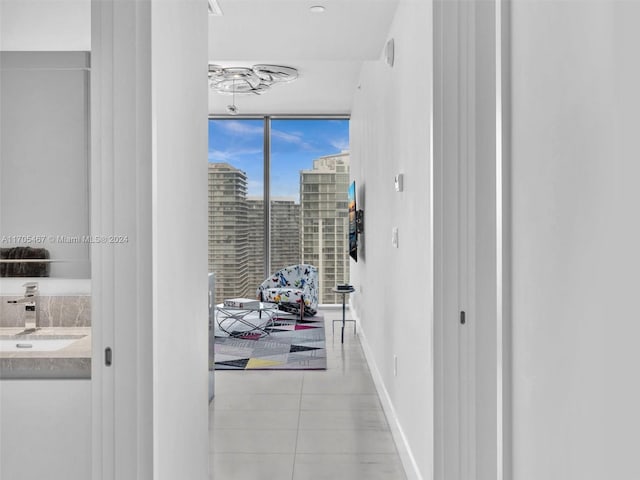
(180, 197)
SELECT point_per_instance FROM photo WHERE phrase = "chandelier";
(245, 80)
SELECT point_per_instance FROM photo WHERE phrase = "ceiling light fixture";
(317, 9)
(233, 109)
(249, 80)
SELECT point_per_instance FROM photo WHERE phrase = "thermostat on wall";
(398, 182)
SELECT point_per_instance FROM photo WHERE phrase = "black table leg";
(343, 316)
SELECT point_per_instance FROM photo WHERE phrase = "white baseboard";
(404, 449)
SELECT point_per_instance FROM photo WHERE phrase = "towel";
(34, 269)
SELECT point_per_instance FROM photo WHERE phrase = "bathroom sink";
(36, 343)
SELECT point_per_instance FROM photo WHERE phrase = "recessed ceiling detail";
(249, 80)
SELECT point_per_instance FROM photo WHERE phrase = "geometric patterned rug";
(292, 344)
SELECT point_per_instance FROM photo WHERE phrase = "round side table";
(343, 292)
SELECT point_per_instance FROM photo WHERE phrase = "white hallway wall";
(390, 127)
(575, 239)
(45, 25)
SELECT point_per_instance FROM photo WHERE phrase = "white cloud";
(250, 129)
(218, 156)
(295, 138)
(244, 128)
(232, 155)
(340, 143)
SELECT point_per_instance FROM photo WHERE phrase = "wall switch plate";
(394, 237)
(399, 181)
(389, 52)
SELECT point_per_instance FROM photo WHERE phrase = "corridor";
(303, 425)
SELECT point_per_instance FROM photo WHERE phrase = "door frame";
(471, 194)
(121, 182)
(139, 128)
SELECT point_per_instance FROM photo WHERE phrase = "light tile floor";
(303, 425)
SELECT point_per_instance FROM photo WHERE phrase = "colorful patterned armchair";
(294, 289)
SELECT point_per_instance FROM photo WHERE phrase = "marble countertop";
(73, 361)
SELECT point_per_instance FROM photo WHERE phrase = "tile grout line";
(315, 380)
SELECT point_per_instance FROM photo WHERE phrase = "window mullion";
(267, 195)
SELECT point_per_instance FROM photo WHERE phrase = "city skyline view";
(295, 143)
(309, 158)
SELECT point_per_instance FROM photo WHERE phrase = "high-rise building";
(284, 238)
(236, 233)
(285, 233)
(228, 230)
(314, 231)
(325, 225)
(256, 254)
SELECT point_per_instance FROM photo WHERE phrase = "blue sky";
(294, 145)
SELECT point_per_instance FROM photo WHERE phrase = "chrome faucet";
(31, 310)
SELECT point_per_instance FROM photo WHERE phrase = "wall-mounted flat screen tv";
(353, 227)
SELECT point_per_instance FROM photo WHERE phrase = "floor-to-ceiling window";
(301, 215)
(236, 192)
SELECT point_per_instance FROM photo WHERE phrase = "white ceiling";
(328, 50)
